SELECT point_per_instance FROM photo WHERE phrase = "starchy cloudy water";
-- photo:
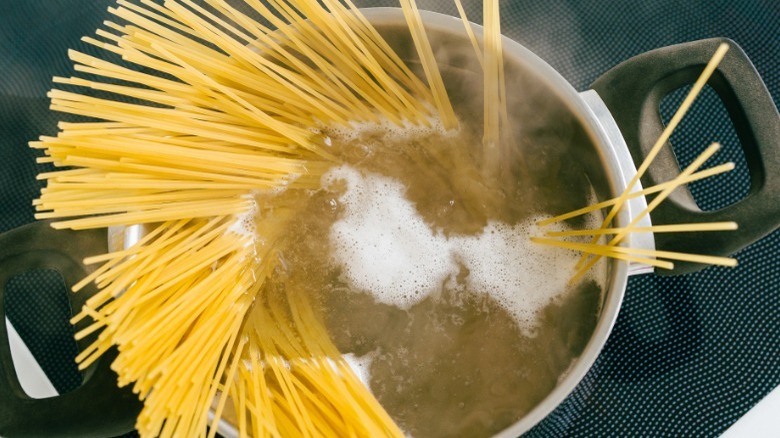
(386, 249)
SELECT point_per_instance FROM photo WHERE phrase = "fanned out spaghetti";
(492, 66)
(593, 251)
(192, 109)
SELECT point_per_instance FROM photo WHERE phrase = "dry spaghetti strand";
(706, 173)
(617, 238)
(662, 139)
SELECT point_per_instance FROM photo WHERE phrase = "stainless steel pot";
(612, 125)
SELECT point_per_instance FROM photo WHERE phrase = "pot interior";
(452, 355)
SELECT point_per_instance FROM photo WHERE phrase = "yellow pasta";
(430, 67)
(617, 238)
(662, 139)
(676, 228)
(716, 170)
(205, 108)
(491, 58)
(592, 252)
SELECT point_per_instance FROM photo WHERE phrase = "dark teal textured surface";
(52, 342)
(688, 355)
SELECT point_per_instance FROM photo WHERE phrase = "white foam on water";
(361, 366)
(383, 244)
(520, 275)
(244, 224)
(385, 248)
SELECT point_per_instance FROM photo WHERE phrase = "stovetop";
(689, 355)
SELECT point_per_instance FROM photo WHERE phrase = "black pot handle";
(633, 91)
(97, 408)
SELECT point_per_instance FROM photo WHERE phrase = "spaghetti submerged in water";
(194, 113)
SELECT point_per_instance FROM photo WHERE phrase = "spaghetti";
(592, 252)
(192, 110)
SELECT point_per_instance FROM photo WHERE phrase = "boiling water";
(422, 270)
